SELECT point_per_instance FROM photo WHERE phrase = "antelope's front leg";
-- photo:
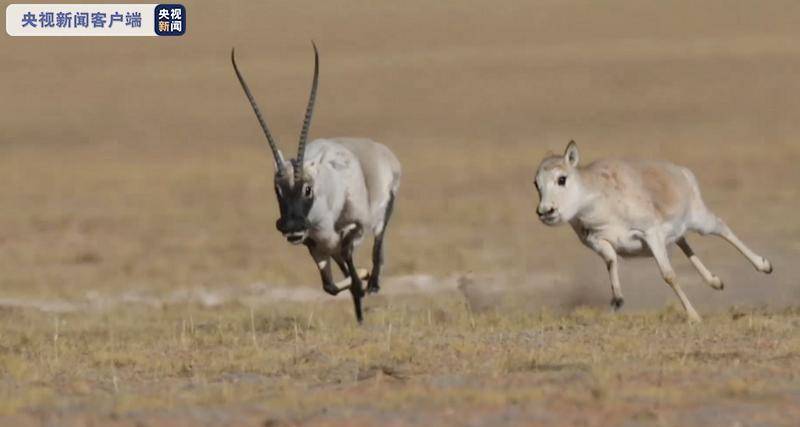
(609, 255)
(349, 234)
(324, 265)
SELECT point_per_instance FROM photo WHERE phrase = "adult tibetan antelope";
(632, 208)
(330, 194)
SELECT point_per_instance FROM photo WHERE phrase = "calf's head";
(558, 185)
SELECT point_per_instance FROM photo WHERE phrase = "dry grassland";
(142, 281)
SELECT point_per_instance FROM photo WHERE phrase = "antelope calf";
(333, 192)
(632, 208)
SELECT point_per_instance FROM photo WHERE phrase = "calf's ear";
(571, 155)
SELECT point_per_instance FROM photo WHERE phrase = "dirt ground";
(142, 280)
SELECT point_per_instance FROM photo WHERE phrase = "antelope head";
(293, 188)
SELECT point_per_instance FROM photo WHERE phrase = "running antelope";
(632, 208)
(330, 194)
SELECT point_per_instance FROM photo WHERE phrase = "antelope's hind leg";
(658, 248)
(709, 277)
(759, 262)
(373, 285)
(713, 225)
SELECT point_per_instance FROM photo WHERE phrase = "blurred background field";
(135, 178)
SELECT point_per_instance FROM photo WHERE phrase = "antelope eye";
(307, 191)
(562, 180)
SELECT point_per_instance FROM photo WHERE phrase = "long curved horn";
(301, 145)
(274, 147)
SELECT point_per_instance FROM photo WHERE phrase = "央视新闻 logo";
(170, 20)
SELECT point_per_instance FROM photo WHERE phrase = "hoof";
(716, 283)
(373, 287)
(617, 303)
(331, 290)
(693, 318)
(766, 266)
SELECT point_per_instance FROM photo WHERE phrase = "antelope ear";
(339, 163)
(310, 168)
(312, 165)
(571, 155)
